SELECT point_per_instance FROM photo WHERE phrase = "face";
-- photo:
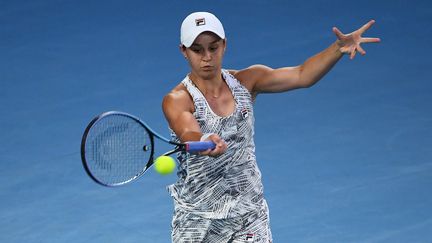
(205, 55)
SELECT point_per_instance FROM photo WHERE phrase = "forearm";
(187, 136)
(314, 68)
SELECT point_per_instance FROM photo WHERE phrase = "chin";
(208, 74)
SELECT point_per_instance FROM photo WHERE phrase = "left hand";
(350, 43)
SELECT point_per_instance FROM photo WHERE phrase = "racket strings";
(118, 149)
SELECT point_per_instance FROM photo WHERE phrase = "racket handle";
(199, 146)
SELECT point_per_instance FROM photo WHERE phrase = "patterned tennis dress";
(220, 199)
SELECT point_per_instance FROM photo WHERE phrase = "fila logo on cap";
(200, 21)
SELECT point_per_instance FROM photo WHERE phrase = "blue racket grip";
(199, 146)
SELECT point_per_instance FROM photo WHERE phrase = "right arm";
(178, 110)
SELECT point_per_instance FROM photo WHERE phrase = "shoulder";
(178, 99)
(249, 76)
(253, 72)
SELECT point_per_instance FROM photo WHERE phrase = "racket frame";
(152, 134)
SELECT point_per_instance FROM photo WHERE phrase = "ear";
(183, 50)
(225, 44)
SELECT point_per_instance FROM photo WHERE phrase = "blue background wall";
(348, 160)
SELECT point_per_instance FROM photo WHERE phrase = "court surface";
(348, 160)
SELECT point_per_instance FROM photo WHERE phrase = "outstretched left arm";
(263, 79)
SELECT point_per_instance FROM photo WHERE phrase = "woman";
(219, 194)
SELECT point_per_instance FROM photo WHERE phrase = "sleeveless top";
(228, 185)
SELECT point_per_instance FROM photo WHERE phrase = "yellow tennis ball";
(164, 165)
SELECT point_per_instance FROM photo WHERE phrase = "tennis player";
(219, 194)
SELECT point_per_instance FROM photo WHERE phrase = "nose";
(206, 56)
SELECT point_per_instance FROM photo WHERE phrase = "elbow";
(303, 80)
(303, 84)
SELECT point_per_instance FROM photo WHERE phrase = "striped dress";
(229, 185)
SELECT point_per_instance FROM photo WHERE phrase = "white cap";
(197, 23)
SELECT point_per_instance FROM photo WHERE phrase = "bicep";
(263, 79)
(278, 80)
(180, 118)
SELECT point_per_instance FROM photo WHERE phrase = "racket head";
(116, 148)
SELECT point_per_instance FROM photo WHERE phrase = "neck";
(211, 86)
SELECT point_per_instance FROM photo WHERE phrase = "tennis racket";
(117, 148)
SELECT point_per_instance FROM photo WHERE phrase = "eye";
(213, 48)
(195, 49)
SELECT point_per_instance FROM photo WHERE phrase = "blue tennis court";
(348, 160)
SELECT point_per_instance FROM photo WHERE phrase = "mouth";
(207, 68)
